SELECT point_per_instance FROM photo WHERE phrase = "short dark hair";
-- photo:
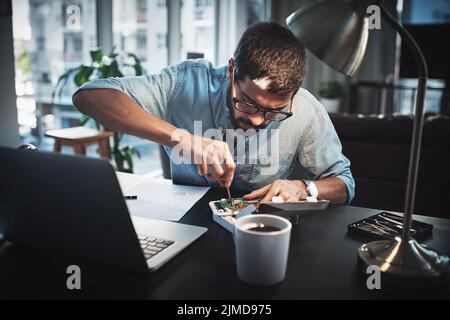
(269, 50)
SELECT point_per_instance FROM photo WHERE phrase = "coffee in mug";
(262, 248)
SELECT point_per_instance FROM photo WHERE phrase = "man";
(259, 89)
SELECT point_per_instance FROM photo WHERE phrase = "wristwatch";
(311, 188)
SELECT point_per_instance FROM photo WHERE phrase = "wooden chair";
(79, 138)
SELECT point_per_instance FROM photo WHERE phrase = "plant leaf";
(118, 158)
(83, 75)
(129, 161)
(110, 71)
(135, 151)
(97, 55)
(112, 54)
(139, 71)
(62, 81)
(84, 119)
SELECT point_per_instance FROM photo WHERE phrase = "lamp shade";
(333, 31)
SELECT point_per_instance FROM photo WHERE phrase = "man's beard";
(241, 123)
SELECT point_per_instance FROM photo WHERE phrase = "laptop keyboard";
(152, 245)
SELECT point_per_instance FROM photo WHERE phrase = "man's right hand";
(207, 153)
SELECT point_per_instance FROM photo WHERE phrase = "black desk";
(322, 265)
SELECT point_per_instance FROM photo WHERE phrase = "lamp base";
(406, 264)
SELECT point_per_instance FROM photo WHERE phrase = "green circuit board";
(233, 207)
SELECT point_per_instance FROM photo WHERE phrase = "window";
(433, 96)
(142, 10)
(161, 4)
(161, 40)
(426, 12)
(256, 11)
(141, 41)
(50, 36)
(234, 18)
(203, 3)
(138, 26)
(197, 28)
(426, 21)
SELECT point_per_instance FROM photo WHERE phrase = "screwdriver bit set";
(388, 226)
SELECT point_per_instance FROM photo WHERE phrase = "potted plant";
(330, 93)
(101, 67)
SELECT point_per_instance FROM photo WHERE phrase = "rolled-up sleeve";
(152, 92)
(320, 152)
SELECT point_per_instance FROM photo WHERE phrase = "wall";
(9, 130)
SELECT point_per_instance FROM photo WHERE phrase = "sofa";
(379, 149)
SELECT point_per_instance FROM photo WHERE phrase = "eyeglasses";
(250, 108)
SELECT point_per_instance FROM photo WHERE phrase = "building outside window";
(197, 28)
(50, 36)
(140, 27)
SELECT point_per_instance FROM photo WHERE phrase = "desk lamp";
(336, 31)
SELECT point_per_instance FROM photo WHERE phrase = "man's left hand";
(289, 190)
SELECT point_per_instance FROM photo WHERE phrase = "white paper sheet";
(159, 198)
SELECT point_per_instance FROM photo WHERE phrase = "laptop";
(74, 206)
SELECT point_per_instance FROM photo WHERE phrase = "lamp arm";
(361, 5)
(419, 102)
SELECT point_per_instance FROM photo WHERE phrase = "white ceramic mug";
(262, 248)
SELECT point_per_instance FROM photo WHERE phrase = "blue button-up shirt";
(194, 90)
